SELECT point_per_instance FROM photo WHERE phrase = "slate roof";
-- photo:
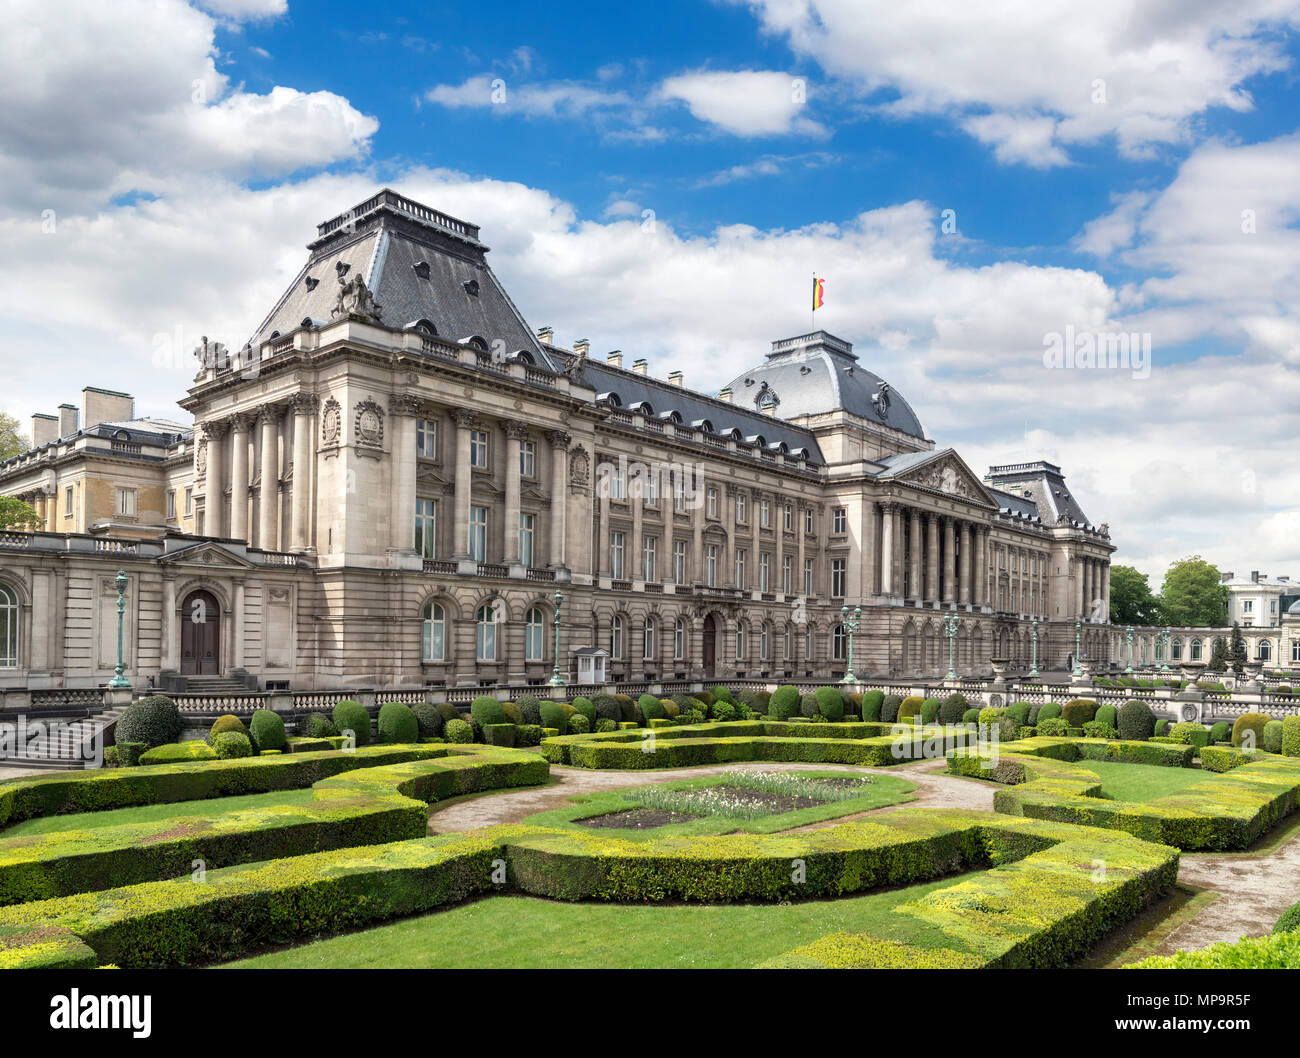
(384, 239)
(1041, 484)
(819, 372)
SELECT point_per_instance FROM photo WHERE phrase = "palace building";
(390, 481)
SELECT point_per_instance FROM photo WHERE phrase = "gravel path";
(933, 788)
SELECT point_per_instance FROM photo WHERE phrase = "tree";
(12, 443)
(1193, 595)
(1218, 657)
(15, 514)
(1131, 599)
(1237, 655)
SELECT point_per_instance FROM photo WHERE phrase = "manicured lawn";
(526, 932)
(1142, 782)
(153, 813)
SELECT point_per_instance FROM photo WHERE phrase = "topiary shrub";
(179, 752)
(266, 731)
(705, 697)
(458, 731)
(154, 720)
(1108, 715)
(1049, 711)
(530, 708)
(929, 710)
(608, 708)
(1079, 711)
(1190, 733)
(724, 711)
(989, 715)
(1248, 730)
(352, 716)
(513, 713)
(627, 707)
(603, 725)
(397, 723)
(428, 720)
(232, 744)
(889, 708)
(528, 735)
(722, 694)
(1019, 712)
(830, 703)
(1162, 727)
(1054, 727)
(784, 703)
(553, 716)
(586, 708)
(579, 724)
(487, 710)
(1220, 731)
(1034, 710)
(1291, 736)
(871, 705)
(126, 754)
(808, 706)
(910, 707)
(651, 707)
(228, 722)
(449, 711)
(1136, 721)
(1271, 741)
(758, 703)
(952, 709)
(1097, 729)
(970, 716)
(1288, 921)
(317, 725)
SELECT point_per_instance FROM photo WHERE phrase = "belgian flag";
(819, 293)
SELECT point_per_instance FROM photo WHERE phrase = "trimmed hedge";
(1049, 711)
(266, 731)
(889, 707)
(872, 701)
(1079, 711)
(830, 703)
(1253, 723)
(226, 722)
(910, 707)
(231, 745)
(175, 752)
(1278, 952)
(458, 731)
(554, 716)
(350, 715)
(1136, 721)
(487, 710)
(1291, 736)
(428, 721)
(930, 710)
(651, 707)
(784, 703)
(318, 725)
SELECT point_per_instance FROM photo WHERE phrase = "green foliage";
(1136, 721)
(226, 722)
(487, 710)
(1018, 712)
(458, 731)
(1131, 600)
(970, 716)
(128, 754)
(608, 707)
(889, 708)
(154, 720)
(910, 707)
(723, 711)
(1248, 730)
(18, 515)
(266, 730)
(784, 703)
(929, 710)
(579, 724)
(1291, 736)
(1054, 726)
(1278, 952)
(397, 724)
(1288, 921)
(1162, 727)
(428, 720)
(651, 707)
(350, 715)
(722, 694)
(1049, 711)
(1190, 732)
(604, 725)
(1108, 715)
(1221, 731)
(1079, 711)
(1271, 739)
(1096, 729)
(553, 716)
(530, 709)
(872, 702)
(318, 725)
(1192, 594)
(808, 706)
(830, 703)
(586, 708)
(177, 752)
(231, 745)
(951, 711)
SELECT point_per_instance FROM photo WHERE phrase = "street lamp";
(851, 627)
(950, 623)
(1033, 638)
(118, 682)
(1164, 650)
(1128, 635)
(556, 679)
(1078, 646)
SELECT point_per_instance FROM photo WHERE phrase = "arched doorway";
(712, 636)
(200, 635)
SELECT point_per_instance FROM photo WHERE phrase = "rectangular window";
(679, 491)
(648, 546)
(808, 520)
(526, 539)
(788, 523)
(67, 501)
(764, 571)
(711, 503)
(839, 577)
(126, 502)
(478, 517)
(807, 576)
(171, 504)
(740, 507)
(787, 574)
(189, 502)
(478, 449)
(426, 527)
(617, 482)
(679, 640)
(679, 561)
(616, 555)
(740, 567)
(650, 486)
(426, 439)
(765, 514)
(1247, 606)
(711, 565)
(740, 641)
(840, 520)
(528, 458)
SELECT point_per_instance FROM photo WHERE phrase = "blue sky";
(1130, 166)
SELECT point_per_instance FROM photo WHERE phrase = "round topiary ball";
(724, 711)
(951, 709)
(929, 710)
(228, 722)
(651, 707)
(830, 703)
(553, 716)
(487, 710)
(889, 707)
(579, 724)
(266, 730)
(397, 723)
(871, 705)
(784, 703)
(427, 719)
(317, 725)
(1136, 721)
(458, 731)
(530, 708)
(231, 745)
(1271, 740)
(808, 706)
(352, 716)
(586, 708)
(154, 720)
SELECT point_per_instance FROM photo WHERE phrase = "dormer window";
(471, 287)
(421, 269)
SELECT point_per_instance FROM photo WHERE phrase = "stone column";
(668, 505)
(756, 548)
(963, 587)
(695, 573)
(634, 551)
(515, 433)
(949, 591)
(268, 418)
(802, 546)
(1080, 608)
(917, 546)
(981, 565)
(466, 420)
(403, 410)
(603, 564)
(239, 477)
(931, 558)
(214, 490)
(887, 549)
(170, 627)
(1105, 590)
(778, 549)
(304, 463)
(559, 442)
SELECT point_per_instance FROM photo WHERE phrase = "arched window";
(1265, 650)
(9, 615)
(534, 635)
(1160, 649)
(838, 643)
(435, 632)
(485, 645)
(1176, 649)
(679, 639)
(616, 638)
(764, 645)
(740, 640)
(1196, 650)
(648, 638)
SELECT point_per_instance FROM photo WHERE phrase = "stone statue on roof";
(355, 301)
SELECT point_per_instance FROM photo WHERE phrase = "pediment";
(946, 473)
(207, 556)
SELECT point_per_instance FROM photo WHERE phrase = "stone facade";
(394, 477)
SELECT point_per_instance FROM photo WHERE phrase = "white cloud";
(1043, 75)
(744, 102)
(768, 165)
(543, 99)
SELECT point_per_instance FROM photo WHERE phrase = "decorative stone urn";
(1000, 666)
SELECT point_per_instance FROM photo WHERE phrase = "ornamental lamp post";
(851, 627)
(1128, 635)
(950, 623)
(120, 682)
(1033, 639)
(556, 679)
(1078, 646)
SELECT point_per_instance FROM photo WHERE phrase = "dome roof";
(1294, 608)
(817, 373)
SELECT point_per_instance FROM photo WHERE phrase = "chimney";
(105, 405)
(45, 428)
(1284, 580)
(1254, 576)
(725, 394)
(581, 347)
(1225, 577)
(614, 358)
(675, 378)
(546, 334)
(67, 419)
(640, 367)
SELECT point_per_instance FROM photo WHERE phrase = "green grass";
(529, 933)
(884, 790)
(154, 813)
(1141, 782)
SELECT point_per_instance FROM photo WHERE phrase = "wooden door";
(200, 635)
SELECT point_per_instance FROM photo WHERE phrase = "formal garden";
(776, 829)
